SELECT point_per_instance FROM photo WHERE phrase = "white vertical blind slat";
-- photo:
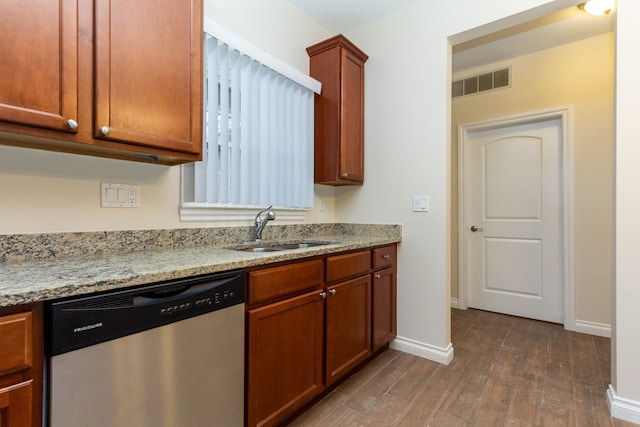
(211, 142)
(224, 124)
(245, 134)
(235, 171)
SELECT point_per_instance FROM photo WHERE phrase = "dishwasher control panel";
(83, 321)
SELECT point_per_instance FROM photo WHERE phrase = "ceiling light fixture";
(598, 7)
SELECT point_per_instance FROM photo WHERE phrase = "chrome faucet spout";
(262, 222)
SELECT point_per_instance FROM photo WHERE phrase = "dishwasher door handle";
(178, 292)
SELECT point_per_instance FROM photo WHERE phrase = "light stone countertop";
(44, 274)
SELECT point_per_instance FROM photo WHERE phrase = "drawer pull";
(323, 295)
(386, 256)
(377, 276)
(332, 291)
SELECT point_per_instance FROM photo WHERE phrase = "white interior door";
(513, 220)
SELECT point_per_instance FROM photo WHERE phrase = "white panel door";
(513, 220)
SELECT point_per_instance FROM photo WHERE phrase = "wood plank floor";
(507, 371)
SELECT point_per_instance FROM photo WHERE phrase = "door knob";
(474, 228)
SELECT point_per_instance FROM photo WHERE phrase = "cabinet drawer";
(384, 257)
(348, 265)
(277, 282)
(16, 337)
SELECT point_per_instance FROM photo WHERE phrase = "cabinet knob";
(345, 175)
(386, 256)
(105, 130)
(332, 291)
(72, 124)
(323, 295)
(377, 276)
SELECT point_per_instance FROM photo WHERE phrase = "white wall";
(625, 375)
(55, 192)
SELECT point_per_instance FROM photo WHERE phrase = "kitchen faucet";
(261, 223)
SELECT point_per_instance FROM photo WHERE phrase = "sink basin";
(259, 249)
(279, 246)
(301, 245)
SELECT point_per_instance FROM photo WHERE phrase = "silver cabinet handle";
(72, 124)
(377, 276)
(332, 291)
(323, 295)
(386, 256)
(345, 175)
(105, 130)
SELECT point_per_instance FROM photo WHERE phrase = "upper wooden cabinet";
(39, 51)
(112, 78)
(339, 111)
(148, 73)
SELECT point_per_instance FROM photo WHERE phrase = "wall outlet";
(119, 195)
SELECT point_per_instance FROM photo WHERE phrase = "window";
(258, 134)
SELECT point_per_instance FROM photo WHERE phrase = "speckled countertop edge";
(45, 278)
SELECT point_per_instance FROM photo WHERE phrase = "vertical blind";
(258, 138)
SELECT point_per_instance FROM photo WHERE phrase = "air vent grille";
(481, 83)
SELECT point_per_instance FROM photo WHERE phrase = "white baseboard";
(624, 409)
(426, 351)
(455, 303)
(593, 328)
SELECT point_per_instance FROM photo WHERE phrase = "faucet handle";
(258, 219)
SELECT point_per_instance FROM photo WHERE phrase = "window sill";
(202, 212)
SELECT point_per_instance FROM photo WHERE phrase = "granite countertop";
(43, 267)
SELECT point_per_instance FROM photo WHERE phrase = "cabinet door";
(15, 405)
(348, 326)
(39, 55)
(16, 342)
(284, 368)
(351, 118)
(149, 73)
(383, 308)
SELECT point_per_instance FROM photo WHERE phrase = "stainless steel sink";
(259, 249)
(279, 246)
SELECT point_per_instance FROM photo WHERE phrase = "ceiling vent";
(481, 83)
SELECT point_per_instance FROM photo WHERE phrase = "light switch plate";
(119, 195)
(421, 203)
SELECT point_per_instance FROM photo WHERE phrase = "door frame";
(564, 114)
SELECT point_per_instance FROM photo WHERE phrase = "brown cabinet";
(21, 366)
(348, 313)
(107, 78)
(348, 326)
(310, 323)
(339, 111)
(284, 341)
(383, 300)
(39, 53)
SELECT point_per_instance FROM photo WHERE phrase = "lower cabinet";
(284, 357)
(383, 299)
(348, 327)
(21, 366)
(16, 405)
(311, 323)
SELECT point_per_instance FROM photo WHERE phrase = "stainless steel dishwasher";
(169, 354)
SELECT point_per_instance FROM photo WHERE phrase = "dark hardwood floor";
(507, 371)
